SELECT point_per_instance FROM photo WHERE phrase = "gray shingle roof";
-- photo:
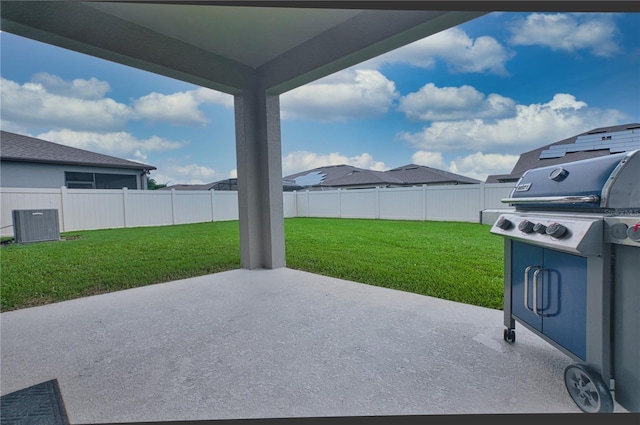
(347, 175)
(325, 174)
(207, 186)
(226, 184)
(17, 147)
(359, 177)
(420, 174)
(531, 159)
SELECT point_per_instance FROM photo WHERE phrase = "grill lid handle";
(589, 199)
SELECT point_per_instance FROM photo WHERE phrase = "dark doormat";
(40, 404)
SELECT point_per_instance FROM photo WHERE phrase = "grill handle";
(526, 288)
(589, 199)
(535, 290)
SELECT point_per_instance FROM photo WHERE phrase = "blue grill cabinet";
(572, 272)
(556, 306)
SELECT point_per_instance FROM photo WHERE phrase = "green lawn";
(455, 261)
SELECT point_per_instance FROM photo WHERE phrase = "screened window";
(75, 180)
(79, 180)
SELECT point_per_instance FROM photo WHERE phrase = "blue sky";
(467, 100)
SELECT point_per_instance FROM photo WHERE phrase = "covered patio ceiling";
(255, 51)
(223, 46)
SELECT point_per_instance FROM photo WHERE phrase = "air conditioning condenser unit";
(35, 225)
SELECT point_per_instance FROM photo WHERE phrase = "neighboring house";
(350, 177)
(227, 184)
(207, 186)
(591, 144)
(29, 162)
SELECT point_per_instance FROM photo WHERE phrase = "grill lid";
(611, 181)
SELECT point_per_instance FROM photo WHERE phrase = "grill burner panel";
(582, 235)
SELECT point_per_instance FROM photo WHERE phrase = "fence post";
(173, 206)
(213, 205)
(124, 205)
(482, 200)
(308, 211)
(63, 195)
(424, 202)
(378, 202)
(295, 200)
(339, 203)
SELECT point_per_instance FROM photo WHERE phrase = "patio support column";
(259, 162)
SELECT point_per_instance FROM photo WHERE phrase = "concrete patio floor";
(277, 344)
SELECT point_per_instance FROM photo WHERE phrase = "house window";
(75, 180)
(79, 180)
(115, 181)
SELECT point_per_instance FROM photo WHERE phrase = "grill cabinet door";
(564, 307)
(524, 258)
(561, 295)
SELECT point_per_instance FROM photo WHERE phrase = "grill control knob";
(540, 228)
(503, 223)
(525, 226)
(619, 231)
(634, 232)
(556, 230)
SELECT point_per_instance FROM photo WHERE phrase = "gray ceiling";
(223, 47)
(232, 45)
(250, 36)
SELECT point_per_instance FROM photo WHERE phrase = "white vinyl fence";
(438, 203)
(87, 209)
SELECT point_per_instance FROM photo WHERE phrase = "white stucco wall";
(23, 174)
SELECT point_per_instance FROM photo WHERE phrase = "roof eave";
(91, 164)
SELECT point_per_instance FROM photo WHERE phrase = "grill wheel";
(509, 335)
(587, 389)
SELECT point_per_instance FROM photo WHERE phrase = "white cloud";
(460, 52)
(31, 104)
(78, 88)
(13, 127)
(346, 95)
(533, 126)
(50, 101)
(176, 108)
(172, 173)
(139, 156)
(294, 162)
(161, 178)
(118, 144)
(367, 162)
(194, 171)
(205, 95)
(568, 32)
(233, 174)
(433, 103)
(179, 108)
(429, 159)
(479, 165)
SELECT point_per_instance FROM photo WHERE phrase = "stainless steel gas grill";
(572, 272)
